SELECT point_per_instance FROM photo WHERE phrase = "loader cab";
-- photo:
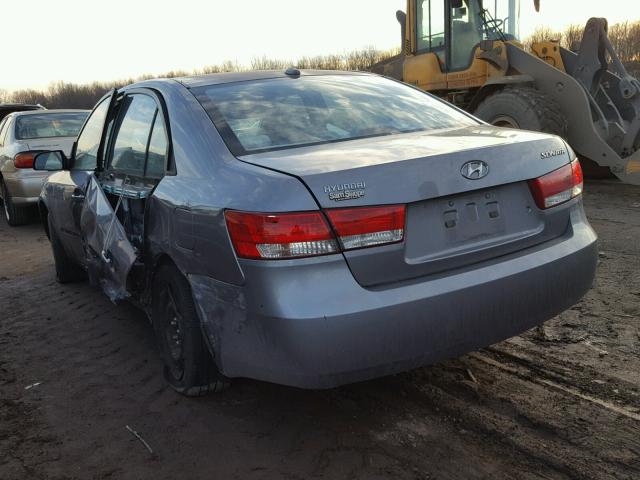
(452, 29)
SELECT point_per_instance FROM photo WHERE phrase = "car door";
(112, 218)
(65, 190)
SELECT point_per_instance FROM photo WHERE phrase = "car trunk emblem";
(552, 153)
(345, 191)
(474, 170)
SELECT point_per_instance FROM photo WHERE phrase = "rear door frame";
(110, 254)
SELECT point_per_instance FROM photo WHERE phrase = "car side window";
(132, 134)
(4, 136)
(158, 149)
(86, 156)
(3, 125)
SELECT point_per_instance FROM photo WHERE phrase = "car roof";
(17, 107)
(47, 112)
(231, 77)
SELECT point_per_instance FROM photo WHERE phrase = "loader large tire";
(525, 108)
(592, 170)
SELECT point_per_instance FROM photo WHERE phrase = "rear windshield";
(264, 115)
(49, 125)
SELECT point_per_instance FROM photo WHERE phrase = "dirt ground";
(563, 403)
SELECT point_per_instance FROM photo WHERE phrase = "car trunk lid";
(54, 143)
(451, 221)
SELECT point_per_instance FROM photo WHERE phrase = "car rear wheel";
(188, 366)
(66, 270)
(15, 215)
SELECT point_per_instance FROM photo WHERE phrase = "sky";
(85, 40)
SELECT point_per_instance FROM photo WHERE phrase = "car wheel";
(188, 366)
(15, 215)
(66, 270)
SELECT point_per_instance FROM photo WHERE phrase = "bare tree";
(621, 41)
(572, 36)
(70, 95)
(264, 63)
(625, 38)
(29, 96)
(541, 34)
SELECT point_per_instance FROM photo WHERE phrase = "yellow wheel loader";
(468, 52)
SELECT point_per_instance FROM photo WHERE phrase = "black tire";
(188, 366)
(525, 108)
(14, 215)
(66, 270)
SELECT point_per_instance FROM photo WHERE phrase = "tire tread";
(547, 112)
(17, 215)
(67, 270)
(202, 374)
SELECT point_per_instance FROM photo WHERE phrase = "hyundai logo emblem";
(474, 170)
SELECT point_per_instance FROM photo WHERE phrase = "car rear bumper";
(310, 324)
(24, 186)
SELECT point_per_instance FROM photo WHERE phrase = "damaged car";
(315, 228)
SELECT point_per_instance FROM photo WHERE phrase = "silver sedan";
(22, 135)
(315, 228)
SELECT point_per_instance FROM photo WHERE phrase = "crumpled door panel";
(110, 255)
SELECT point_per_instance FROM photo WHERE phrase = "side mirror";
(50, 161)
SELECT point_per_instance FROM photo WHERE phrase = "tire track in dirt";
(572, 438)
(577, 382)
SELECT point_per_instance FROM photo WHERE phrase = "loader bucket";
(586, 137)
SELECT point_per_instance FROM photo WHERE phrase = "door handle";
(106, 256)
(78, 194)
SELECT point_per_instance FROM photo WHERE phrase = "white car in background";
(22, 135)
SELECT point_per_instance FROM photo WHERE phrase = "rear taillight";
(557, 187)
(280, 235)
(24, 159)
(307, 234)
(367, 226)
